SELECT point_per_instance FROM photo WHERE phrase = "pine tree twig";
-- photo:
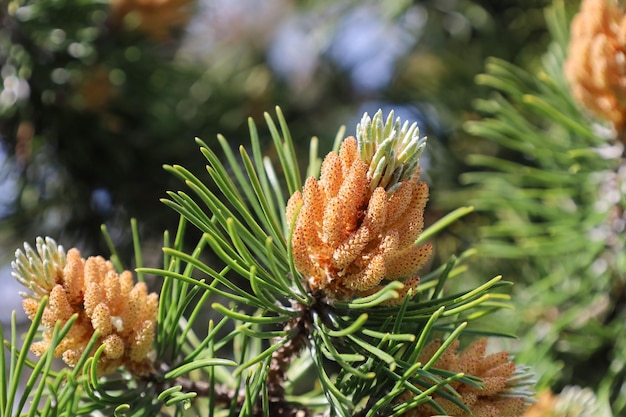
(279, 364)
(613, 242)
(223, 395)
(281, 359)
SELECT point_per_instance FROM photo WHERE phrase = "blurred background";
(97, 95)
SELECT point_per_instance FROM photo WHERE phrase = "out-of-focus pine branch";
(552, 195)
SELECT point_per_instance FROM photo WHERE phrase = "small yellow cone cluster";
(544, 407)
(596, 63)
(123, 314)
(156, 18)
(496, 371)
(573, 401)
(95, 91)
(348, 239)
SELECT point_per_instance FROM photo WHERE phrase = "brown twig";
(299, 331)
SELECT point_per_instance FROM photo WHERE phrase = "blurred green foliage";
(552, 218)
(92, 107)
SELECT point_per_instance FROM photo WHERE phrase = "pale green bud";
(391, 149)
(38, 270)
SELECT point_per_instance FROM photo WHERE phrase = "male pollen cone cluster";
(95, 91)
(356, 226)
(596, 62)
(156, 18)
(499, 396)
(572, 401)
(123, 314)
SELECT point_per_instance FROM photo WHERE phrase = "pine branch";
(548, 191)
(333, 290)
